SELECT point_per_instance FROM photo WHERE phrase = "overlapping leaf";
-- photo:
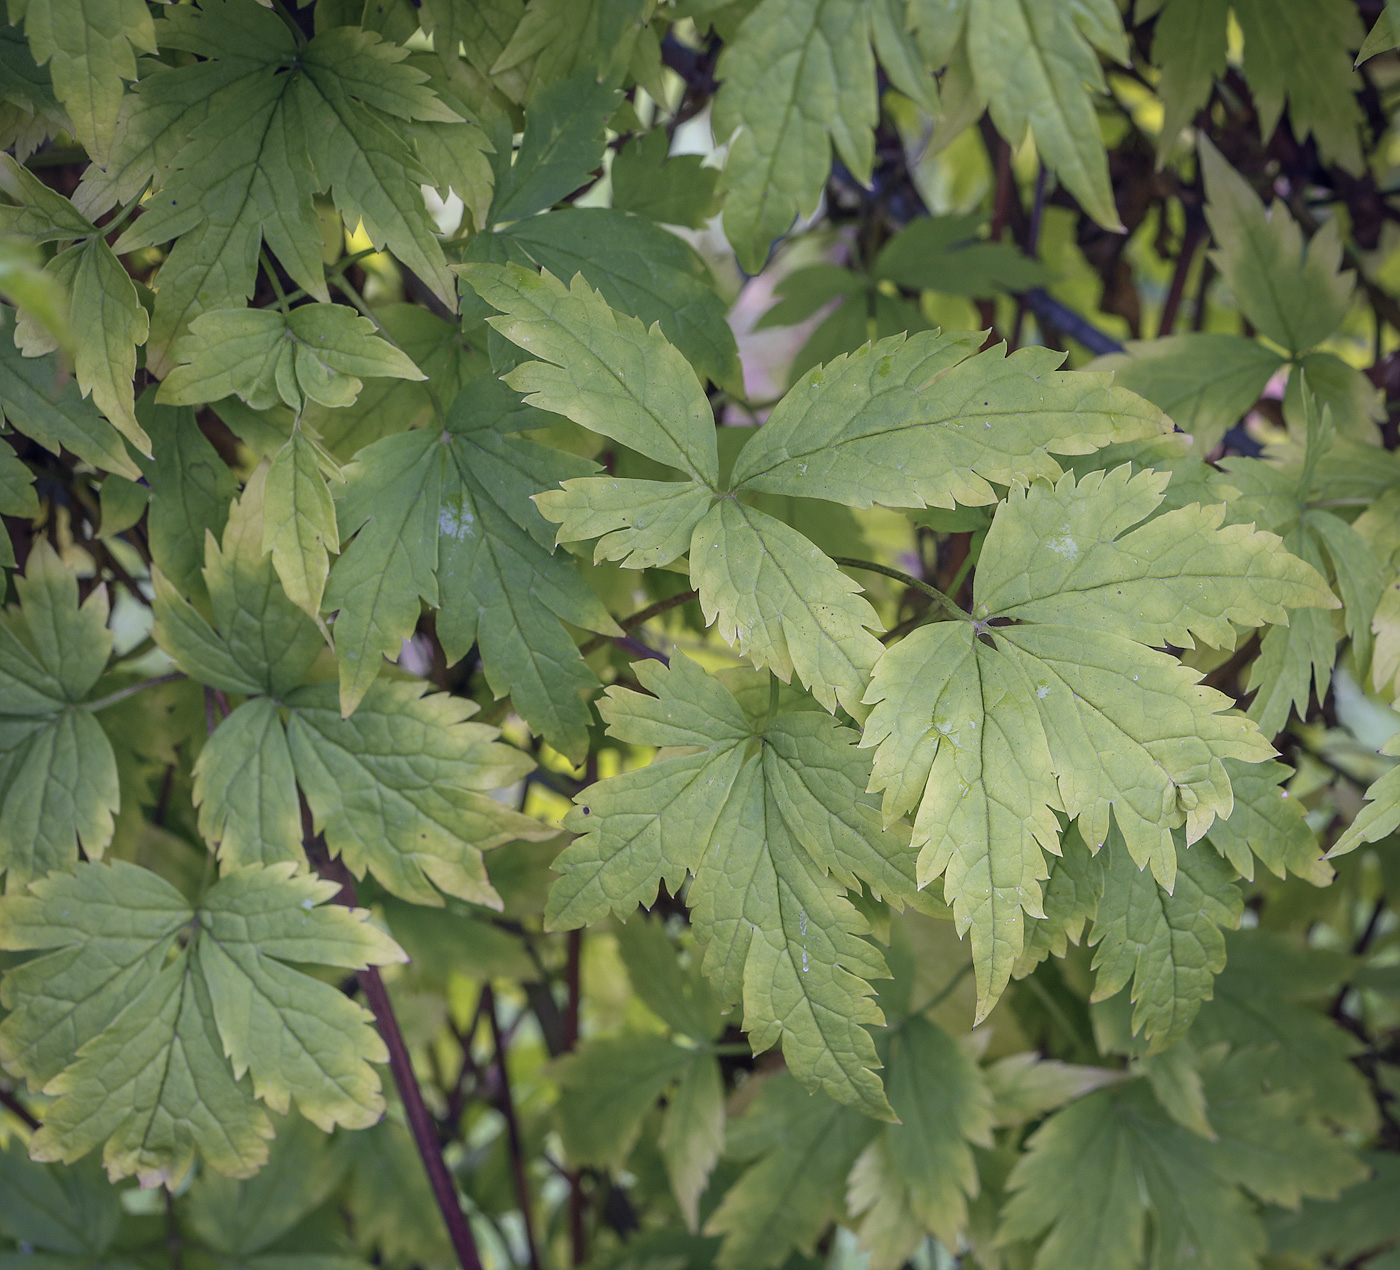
(446, 518)
(778, 802)
(989, 729)
(400, 789)
(127, 1014)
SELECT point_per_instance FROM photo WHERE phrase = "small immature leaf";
(1381, 814)
(316, 352)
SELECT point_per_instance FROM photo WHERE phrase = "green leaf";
(943, 253)
(259, 641)
(1205, 383)
(606, 1089)
(1189, 43)
(918, 1175)
(922, 421)
(563, 142)
(1361, 1218)
(990, 730)
(89, 47)
(191, 487)
(1300, 50)
(316, 352)
(245, 789)
(47, 406)
(1095, 1170)
(1381, 38)
(1295, 295)
(389, 1198)
(1036, 70)
(674, 191)
(680, 999)
(299, 526)
(813, 51)
(805, 1144)
(783, 604)
(70, 1211)
(1381, 814)
(642, 270)
(778, 801)
(478, 547)
(1169, 944)
(692, 1133)
(1268, 822)
(402, 788)
(58, 776)
(601, 369)
(150, 1077)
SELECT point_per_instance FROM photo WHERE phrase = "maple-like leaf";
(778, 800)
(990, 729)
(136, 996)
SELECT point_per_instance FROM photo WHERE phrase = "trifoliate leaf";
(990, 729)
(1097, 1170)
(1295, 294)
(1036, 71)
(814, 51)
(316, 352)
(601, 369)
(191, 488)
(642, 270)
(692, 1133)
(299, 527)
(1205, 383)
(447, 517)
(673, 191)
(58, 776)
(778, 800)
(150, 1077)
(607, 1087)
(1189, 43)
(90, 49)
(916, 1177)
(401, 788)
(1169, 944)
(36, 399)
(922, 421)
(1300, 50)
(563, 142)
(805, 1145)
(259, 641)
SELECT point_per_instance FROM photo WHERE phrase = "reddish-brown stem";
(506, 1103)
(420, 1123)
(17, 1109)
(578, 1237)
(1190, 240)
(640, 618)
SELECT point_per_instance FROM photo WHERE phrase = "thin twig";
(909, 580)
(12, 1104)
(639, 618)
(420, 1123)
(131, 690)
(173, 1243)
(506, 1103)
(1190, 240)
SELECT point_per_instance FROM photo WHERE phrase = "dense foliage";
(666, 634)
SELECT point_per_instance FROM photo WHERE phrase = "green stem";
(284, 13)
(276, 284)
(943, 993)
(335, 271)
(122, 216)
(918, 584)
(131, 690)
